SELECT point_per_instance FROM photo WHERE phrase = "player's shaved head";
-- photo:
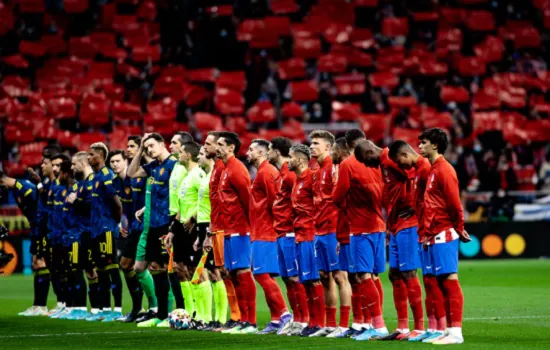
(399, 146)
(81, 156)
(367, 153)
(193, 149)
(340, 150)
(403, 154)
(353, 136)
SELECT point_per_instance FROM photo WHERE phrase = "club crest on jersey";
(225, 176)
(64, 193)
(161, 171)
(127, 190)
(432, 180)
(138, 180)
(96, 184)
(151, 181)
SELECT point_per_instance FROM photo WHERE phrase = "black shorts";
(155, 252)
(59, 258)
(104, 250)
(183, 245)
(87, 251)
(76, 256)
(39, 243)
(200, 232)
(130, 245)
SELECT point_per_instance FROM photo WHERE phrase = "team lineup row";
(196, 230)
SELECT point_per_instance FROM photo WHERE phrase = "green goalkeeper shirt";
(189, 193)
(178, 174)
(203, 208)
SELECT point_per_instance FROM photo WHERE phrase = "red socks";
(378, 283)
(400, 301)
(435, 304)
(302, 300)
(415, 300)
(232, 299)
(330, 313)
(430, 312)
(454, 300)
(316, 302)
(273, 295)
(291, 291)
(369, 291)
(356, 304)
(247, 290)
(344, 316)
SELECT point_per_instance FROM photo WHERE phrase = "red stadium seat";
(8, 106)
(345, 112)
(206, 122)
(283, 7)
(470, 66)
(157, 119)
(236, 124)
(221, 11)
(304, 91)
(484, 101)
(277, 24)
(232, 80)
(262, 112)
(144, 54)
(16, 134)
(395, 26)
(292, 110)
(332, 63)
(16, 61)
(410, 136)
(402, 101)
(32, 48)
(85, 140)
(457, 94)
(203, 75)
(490, 50)
(480, 21)
(350, 84)
(294, 130)
(167, 105)
(374, 125)
(362, 38)
(147, 11)
(527, 38)
(125, 111)
(337, 33)
(8, 20)
(294, 68)
(307, 48)
(95, 110)
(61, 108)
(31, 6)
(486, 121)
(384, 79)
(229, 102)
(75, 6)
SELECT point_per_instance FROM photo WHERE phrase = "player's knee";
(408, 274)
(394, 275)
(126, 264)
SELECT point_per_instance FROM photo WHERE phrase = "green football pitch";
(507, 306)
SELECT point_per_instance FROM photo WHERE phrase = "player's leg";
(145, 278)
(400, 297)
(56, 278)
(134, 287)
(76, 280)
(219, 247)
(88, 260)
(309, 276)
(112, 270)
(445, 257)
(265, 267)
(219, 292)
(204, 292)
(409, 262)
(327, 260)
(344, 287)
(368, 254)
(42, 278)
(245, 285)
(179, 276)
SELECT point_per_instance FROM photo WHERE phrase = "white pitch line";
(74, 333)
(503, 318)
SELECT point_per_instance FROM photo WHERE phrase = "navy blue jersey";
(102, 219)
(55, 187)
(139, 185)
(57, 223)
(26, 195)
(72, 227)
(83, 203)
(124, 191)
(43, 210)
(160, 173)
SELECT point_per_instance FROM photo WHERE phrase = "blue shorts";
(343, 257)
(444, 257)
(404, 254)
(427, 264)
(264, 258)
(288, 267)
(307, 264)
(237, 252)
(325, 248)
(368, 253)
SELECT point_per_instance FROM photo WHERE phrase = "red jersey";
(359, 190)
(303, 207)
(262, 196)
(326, 212)
(442, 206)
(282, 206)
(216, 217)
(422, 167)
(398, 193)
(234, 190)
(343, 230)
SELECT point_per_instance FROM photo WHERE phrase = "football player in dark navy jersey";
(106, 214)
(26, 195)
(159, 170)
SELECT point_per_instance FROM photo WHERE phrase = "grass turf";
(506, 307)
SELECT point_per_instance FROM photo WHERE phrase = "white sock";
(403, 330)
(431, 330)
(455, 331)
(357, 326)
(118, 309)
(382, 329)
(59, 305)
(94, 311)
(304, 324)
(154, 309)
